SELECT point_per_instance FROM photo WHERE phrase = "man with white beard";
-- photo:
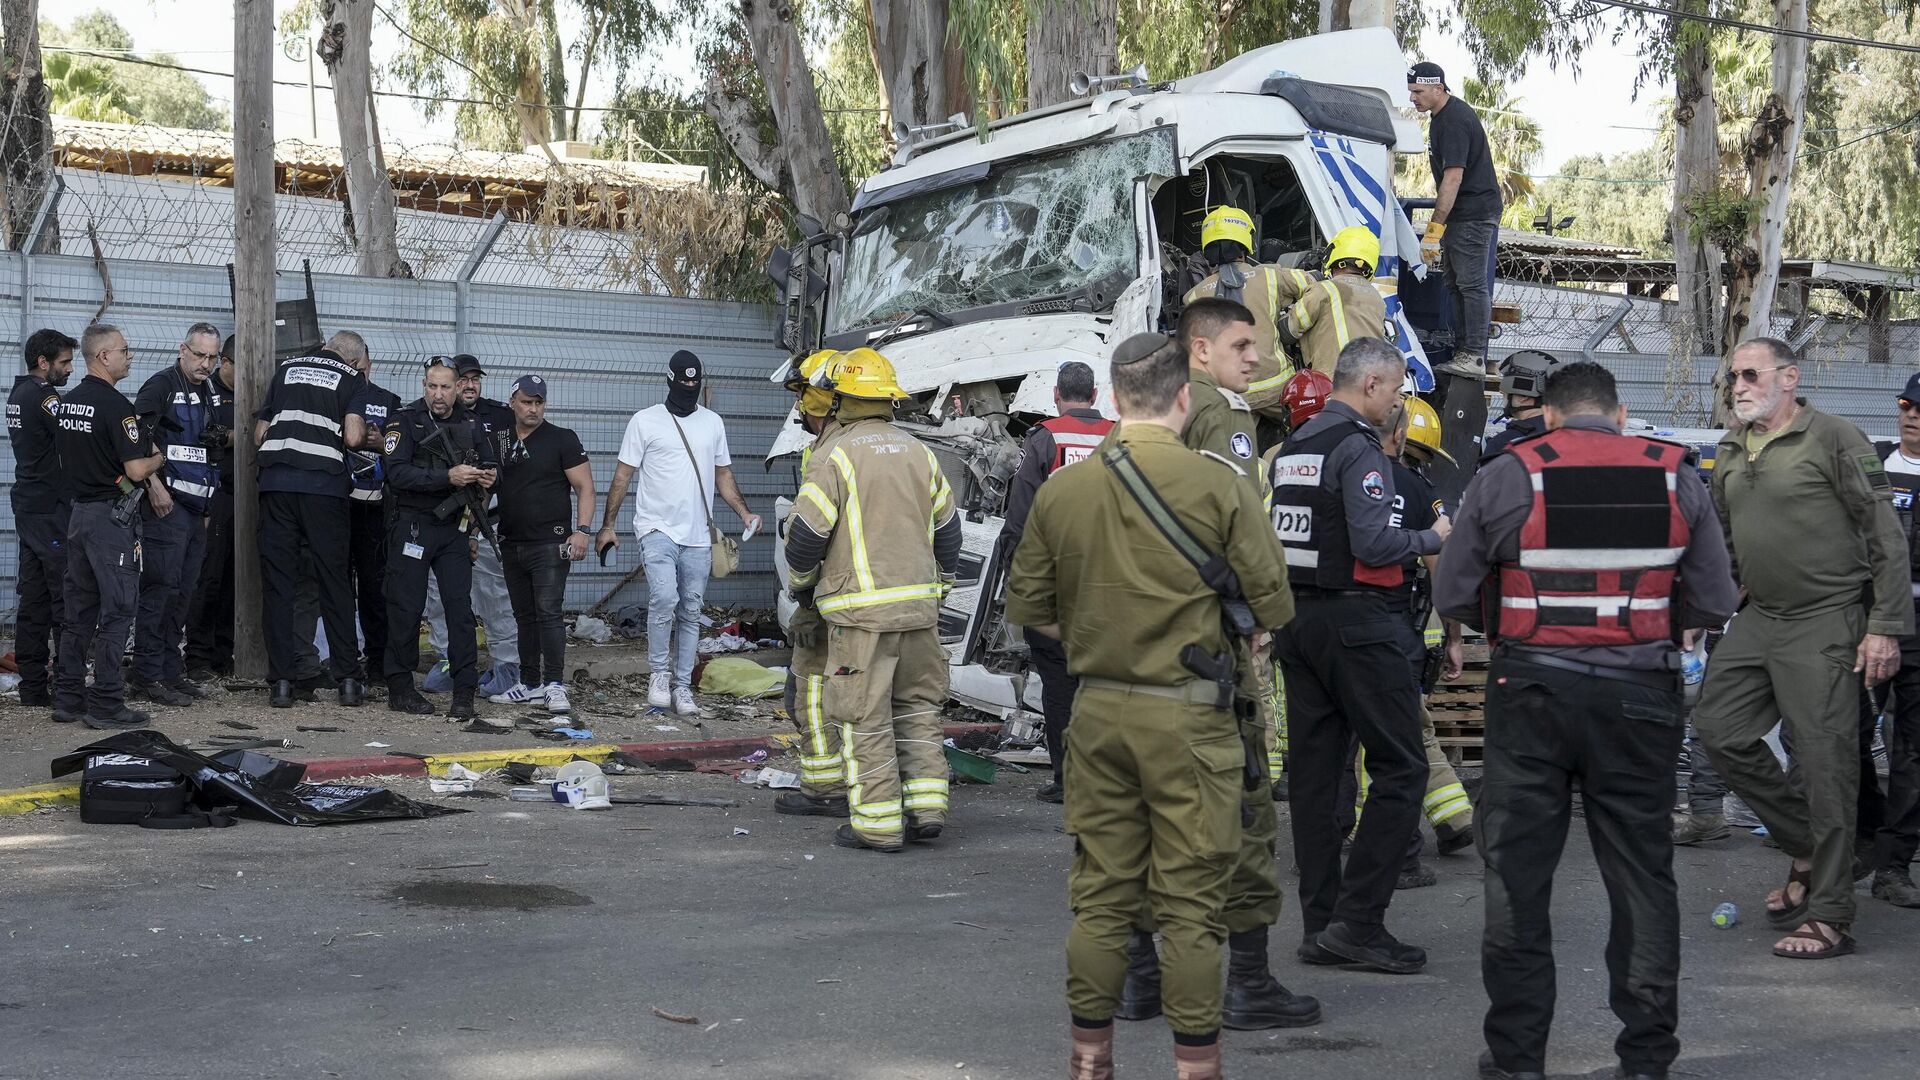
(1822, 565)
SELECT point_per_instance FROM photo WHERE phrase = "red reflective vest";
(1074, 438)
(1600, 550)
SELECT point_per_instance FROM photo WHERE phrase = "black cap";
(467, 364)
(531, 385)
(1141, 347)
(1427, 73)
(684, 368)
(1912, 392)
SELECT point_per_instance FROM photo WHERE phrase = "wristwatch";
(584, 530)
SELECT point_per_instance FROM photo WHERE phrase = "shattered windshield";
(1038, 228)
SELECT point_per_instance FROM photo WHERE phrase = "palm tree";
(83, 90)
(1512, 136)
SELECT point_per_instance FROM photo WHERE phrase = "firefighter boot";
(1197, 1062)
(1254, 998)
(1140, 994)
(1092, 1056)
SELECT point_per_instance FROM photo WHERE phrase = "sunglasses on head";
(439, 361)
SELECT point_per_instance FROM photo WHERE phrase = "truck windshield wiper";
(899, 327)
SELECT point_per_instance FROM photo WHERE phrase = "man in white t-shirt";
(679, 450)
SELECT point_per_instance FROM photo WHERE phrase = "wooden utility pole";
(253, 298)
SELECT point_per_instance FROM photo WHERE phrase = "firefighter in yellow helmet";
(1226, 242)
(823, 770)
(874, 545)
(1325, 312)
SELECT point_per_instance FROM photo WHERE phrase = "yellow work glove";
(1430, 243)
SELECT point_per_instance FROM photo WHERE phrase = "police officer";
(1899, 835)
(106, 462)
(1413, 440)
(1226, 241)
(210, 613)
(874, 545)
(1619, 534)
(491, 605)
(823, 766)
(423, 448)
(41, 505)
(1304, 395)
(1072, 433)
(1522, 383)
(1157, 764)
(367, 510)
(303, 433)
(1346, 677)
(176, 407)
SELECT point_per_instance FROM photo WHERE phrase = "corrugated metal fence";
(604, 355)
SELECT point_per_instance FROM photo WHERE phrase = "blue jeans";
(676, 585)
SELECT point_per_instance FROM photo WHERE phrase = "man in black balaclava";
(683, 383)
(679, 451)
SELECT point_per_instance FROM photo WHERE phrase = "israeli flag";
(1368, 195)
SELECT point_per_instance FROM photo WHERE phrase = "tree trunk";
(1363, 13)
(922, 77)
(1065, 36)
(26, 132)
(1769, 148)
(346, 48)
(802, 162)
(1696, 172)
(556, 72)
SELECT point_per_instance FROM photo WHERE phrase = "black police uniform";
(303, 508)
(1898, 835)
(1346, 678)
(98, 434)
(210, 612)
(368, 526)
(1524, 428)
(1583, 692)
(41, 506)
(177, 412)
(419, 542)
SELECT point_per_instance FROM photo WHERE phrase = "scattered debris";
(756, 757)
(317, 727)
(564, 734)
(777, 779)
(823, 982)
(457, 779)
(975, 925)
(379, 745)
(665, 727)
(738, 831)
(674, 800)
(675, 1018)
(588, 628)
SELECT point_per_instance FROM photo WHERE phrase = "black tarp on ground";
(261, 787)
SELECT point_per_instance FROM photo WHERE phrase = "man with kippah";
(1156, 757)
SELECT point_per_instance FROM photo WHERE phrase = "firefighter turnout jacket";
(1325, 311)
(875, 535)
(1258, 286)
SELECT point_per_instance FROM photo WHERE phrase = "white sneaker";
(660, 690)
(557, 699)
(517, 694)
(683, 702)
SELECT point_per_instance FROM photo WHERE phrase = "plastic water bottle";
(1693, 670)
(1726, 916)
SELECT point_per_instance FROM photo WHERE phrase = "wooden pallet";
(1458, 708)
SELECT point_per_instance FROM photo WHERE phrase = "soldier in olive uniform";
(1154, 764)
(1218, 338)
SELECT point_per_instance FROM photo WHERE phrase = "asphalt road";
(367, 951)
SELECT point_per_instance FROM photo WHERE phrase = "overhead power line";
(494, 102)
(1759, 28)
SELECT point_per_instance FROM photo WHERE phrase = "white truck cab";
(978, 263)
